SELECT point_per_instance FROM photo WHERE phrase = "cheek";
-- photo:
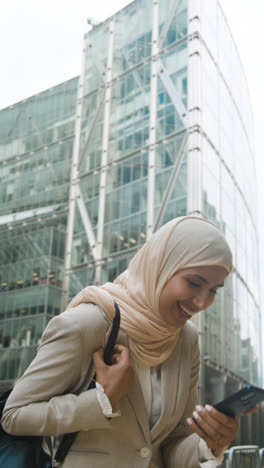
(174, 290)
(211, 300)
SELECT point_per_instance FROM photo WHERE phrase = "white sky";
(41, 44)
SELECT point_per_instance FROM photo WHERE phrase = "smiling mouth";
(184, 311)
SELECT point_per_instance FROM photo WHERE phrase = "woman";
(142, 412)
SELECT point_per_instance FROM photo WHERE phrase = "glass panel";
(80, 279)
(211, 183)
(114, 267)
(166, 157)
(172, 87)
(132, 36)
(96, 52)
(129, 120)
(91, 137)
(37, 144)
(175, 25)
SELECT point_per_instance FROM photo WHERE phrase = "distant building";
(36, 144)
(163, 128)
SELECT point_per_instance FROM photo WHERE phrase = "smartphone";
(241, 401)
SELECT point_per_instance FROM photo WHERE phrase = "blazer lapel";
(172, 372)
(136, 398)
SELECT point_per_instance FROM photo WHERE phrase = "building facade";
(163, 128)
(36, 144)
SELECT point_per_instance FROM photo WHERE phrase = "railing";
(261, 454)
(244, 456)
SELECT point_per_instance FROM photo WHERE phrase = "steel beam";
(152, 119)
(167, 23)
(97, 113)
(194, 159)
(73, 182)
(86, 221)
(173, 93)
(171, 183)
(107, 104)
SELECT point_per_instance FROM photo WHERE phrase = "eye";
(213, 291)
(193, 284)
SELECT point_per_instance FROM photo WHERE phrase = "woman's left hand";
(217, 429)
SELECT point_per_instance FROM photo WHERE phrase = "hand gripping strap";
(68, 439)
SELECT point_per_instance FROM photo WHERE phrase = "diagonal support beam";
(86, 221)
(72, 195)
(135, 74)
(172, 92)
(91, 130)
(173, 178)
(167, 23)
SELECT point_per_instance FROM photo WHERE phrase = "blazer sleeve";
(181, 448)
(45, 400)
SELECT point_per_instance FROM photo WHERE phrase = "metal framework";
(163, 33)
(101, 207)
(86, 222)
(75, 190)
(97, 113)
(171, 183)
(74, 181)
(153, 119)
(158, 71)
(194, 159)
(173, 93)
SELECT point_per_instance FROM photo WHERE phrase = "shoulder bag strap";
(68, 439)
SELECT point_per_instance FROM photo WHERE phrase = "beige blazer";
(51, 399)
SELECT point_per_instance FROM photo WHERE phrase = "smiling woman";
(190, 291)
(142, 412)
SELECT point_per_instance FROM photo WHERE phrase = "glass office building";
(163, 128)
(36, 141)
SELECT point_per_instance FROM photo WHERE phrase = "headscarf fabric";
(181, 243)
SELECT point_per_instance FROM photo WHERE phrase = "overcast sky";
(41, 44)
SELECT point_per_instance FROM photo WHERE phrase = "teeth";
(185, 311)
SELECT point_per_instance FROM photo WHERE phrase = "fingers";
(217, 429)
(98, 357)
(118, 348)
(251, 410)
(120, 356)
(117, 379)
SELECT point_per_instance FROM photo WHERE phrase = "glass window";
(132, 36)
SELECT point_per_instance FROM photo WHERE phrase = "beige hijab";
(181, 243)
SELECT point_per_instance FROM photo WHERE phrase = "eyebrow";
(204, 280)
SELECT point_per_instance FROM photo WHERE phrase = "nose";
(201, 300)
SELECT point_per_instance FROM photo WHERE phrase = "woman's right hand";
(118, 378)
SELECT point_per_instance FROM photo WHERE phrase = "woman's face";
(188, 292)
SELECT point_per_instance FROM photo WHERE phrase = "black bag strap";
(68, 439)
(108, 352)
(3, 400)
